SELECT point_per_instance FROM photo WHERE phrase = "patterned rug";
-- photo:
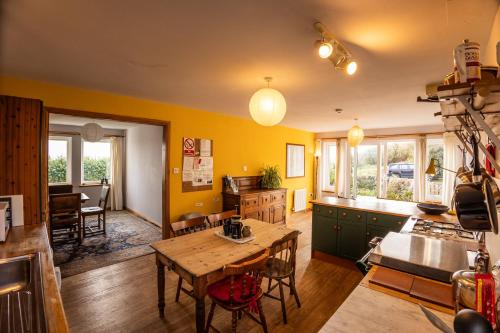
(127, 237)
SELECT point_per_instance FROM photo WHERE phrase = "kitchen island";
(30, 239)
(344, 227)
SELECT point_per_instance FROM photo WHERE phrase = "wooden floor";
(122, 297)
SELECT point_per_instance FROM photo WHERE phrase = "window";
(398, 170)
(365, 167)
(59, 163)
(329, 166)
(96, 161)
(434, 184)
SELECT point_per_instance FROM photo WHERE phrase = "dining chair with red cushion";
(240, 291)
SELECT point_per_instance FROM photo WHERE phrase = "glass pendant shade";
(92, 132)
(355, 136)
(267, 107)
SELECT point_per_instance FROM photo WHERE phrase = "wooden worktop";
(391, 207)
(368, 310)
(33, 238)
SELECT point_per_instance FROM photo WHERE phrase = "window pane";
(400, 170)
(329, 166)
(366, 171)
(58, 166)
(434, 184)
(96, 161)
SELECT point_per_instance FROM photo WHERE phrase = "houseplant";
(271, 177)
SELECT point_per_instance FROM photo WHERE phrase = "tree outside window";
(59, 160)
(96, 161)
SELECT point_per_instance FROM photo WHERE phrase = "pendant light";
(267, 106)
(92, 132)
(355, 135)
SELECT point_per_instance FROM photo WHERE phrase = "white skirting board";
(299, 200)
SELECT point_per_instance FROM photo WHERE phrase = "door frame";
(165, 152)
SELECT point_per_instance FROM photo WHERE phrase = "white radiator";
(299, 200)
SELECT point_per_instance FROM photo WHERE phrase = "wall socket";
(175, 170)
(198, 204)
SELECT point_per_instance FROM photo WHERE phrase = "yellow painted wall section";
(237, 141)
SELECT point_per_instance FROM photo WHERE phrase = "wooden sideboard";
(268, 205)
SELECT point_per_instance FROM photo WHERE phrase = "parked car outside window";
(401, 170)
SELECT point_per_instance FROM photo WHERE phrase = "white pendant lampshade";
(355, 136)
(267, 106)
(92, 132)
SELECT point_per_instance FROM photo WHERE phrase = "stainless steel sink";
(21, 295)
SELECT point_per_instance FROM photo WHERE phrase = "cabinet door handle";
(344, 214)
(330, 212)
(368, 234)
(359, 216)
(317, 209)
(374, 219)
(339, 228)
(400, 223)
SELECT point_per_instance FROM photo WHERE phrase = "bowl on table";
(432, 209)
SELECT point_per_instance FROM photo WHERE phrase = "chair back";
(180, 228)
(218, 219)
(249, 274)
(60, 188)
(64, 205)
(103, 199)
(282, 255)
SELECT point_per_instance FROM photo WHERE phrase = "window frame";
(324, 174)
(354, 168)
(82, 157)
(69, 157)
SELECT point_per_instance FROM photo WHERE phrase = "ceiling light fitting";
(267, 106)
(355, 135)
(330, 48)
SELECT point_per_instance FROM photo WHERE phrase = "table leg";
(161, 288)
(200, 290)
(200, 314)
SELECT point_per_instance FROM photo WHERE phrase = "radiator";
(299, 200)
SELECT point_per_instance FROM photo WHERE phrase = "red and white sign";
(188, 146)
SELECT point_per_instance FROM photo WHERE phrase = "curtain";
(116, 195)
(344, 174)
(421, 165)
(452, 160)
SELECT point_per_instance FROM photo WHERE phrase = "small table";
(200, 257)
(84, 198)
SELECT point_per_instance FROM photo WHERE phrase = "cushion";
(91, 209)
(221, 289)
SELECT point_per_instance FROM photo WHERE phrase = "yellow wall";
(237, 141)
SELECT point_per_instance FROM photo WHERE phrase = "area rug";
(127, 237)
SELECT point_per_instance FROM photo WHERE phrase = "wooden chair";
(185, 227)
(217, 219)
(240, 291)
(281, 265)
(100, 211)
(65, 214)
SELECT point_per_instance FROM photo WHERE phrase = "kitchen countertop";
(391, 207)
(33, 238)
(368, 310)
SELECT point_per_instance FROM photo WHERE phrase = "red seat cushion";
(220, 290)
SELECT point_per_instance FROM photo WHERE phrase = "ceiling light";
(267, 106)
(92, 132)
(355, 135)
(325, 49)
(351, 67)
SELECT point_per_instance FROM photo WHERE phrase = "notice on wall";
(197, 164)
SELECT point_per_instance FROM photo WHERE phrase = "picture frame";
(295, 160)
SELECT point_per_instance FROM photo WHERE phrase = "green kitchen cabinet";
(351, 239)
(324, 234)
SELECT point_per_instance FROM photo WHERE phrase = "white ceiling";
(61, 119)
(214, 54)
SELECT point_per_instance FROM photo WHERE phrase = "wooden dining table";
(199, 259)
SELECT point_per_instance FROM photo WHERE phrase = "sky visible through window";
(58, 148)
(96, 150)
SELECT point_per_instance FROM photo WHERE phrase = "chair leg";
(210, 317)
(294, 290)
(282, 300)
(84, 228)
(240, 314)
(262, 316)
(234, 321)
(269, 285)
(104, 222)
(179, 287)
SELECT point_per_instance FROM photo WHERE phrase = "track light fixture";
(332, 49)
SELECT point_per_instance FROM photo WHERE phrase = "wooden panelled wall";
(21, 126)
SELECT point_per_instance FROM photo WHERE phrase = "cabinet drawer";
(352, 215)
(325, 211)
(265, 199)
(250, 201)
(278, 196)
(392, 222)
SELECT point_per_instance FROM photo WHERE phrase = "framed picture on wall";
(295, 160)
